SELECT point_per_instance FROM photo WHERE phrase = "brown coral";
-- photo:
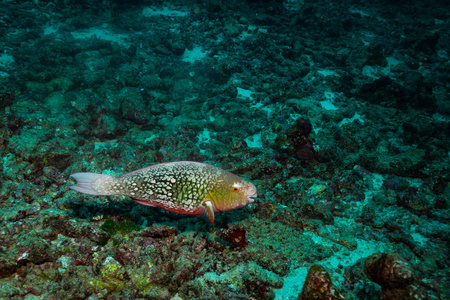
(318, 285)
(396, 277)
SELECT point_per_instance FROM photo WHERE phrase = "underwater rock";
(60, 159)
(42, 148)
(414, 92)
(434, 229)
(35, 250)
(265, 210)
(318, 285)
(296, 142)
(395, 183)
(135, 111)
(419, 200)
(6, 99)
(7, 265)
(108, 128)
(234, 235)
(112, 270)
(316, 211)
(27, 142)
(397, 278)
(427, 43)
(104, 85)
(243, 281)
(159, 231)
(28, 193)
(70, 228)
(133, 107)
(406, 164)
(270, 260)
(54, 175)
(290, 218)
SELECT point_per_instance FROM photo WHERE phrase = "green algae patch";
(112, 269)
(113, 276)
(109, 226)
(143, 280)
(124, 228)
(127, 227)
(112, 227)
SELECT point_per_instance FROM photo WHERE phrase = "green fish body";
(183, 187)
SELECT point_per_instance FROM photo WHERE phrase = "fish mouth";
(250, 198)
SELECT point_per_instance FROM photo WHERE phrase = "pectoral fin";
(208, 210)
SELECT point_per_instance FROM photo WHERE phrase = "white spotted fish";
(183, 187)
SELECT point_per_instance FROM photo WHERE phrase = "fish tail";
(95, 184)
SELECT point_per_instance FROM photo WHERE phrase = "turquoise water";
(337, 112)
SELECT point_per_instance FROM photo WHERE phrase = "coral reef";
(338, 112)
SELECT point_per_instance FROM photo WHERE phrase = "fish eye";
(235, 189)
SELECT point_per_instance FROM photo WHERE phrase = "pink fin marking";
(163, 164)
(146, 203)
(92, 183)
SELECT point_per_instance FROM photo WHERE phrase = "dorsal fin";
(208, 210)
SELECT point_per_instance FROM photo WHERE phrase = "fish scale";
(165, 185)
(184, 187)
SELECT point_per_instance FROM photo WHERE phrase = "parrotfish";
(183, 187)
